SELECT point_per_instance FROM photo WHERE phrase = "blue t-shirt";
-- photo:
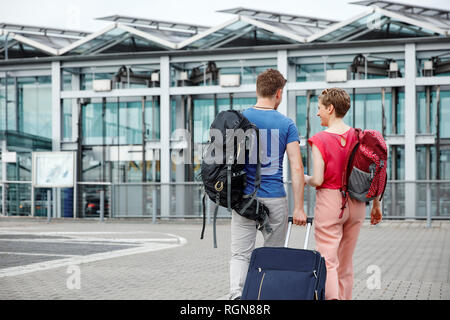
(275, 131)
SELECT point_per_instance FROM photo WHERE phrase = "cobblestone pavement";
(135, 259)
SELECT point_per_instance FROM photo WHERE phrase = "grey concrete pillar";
(165, 161)
(410, 129)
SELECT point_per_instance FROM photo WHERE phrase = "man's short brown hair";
(269, 82)
(338, 97)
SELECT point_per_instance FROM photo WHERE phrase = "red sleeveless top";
(333, 154)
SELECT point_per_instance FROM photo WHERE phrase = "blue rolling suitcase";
(286, 273)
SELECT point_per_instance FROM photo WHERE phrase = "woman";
(335, 237)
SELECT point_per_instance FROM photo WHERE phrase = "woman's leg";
(328, 234)
(351, 228)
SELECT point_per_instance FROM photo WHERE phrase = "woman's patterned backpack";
(364, 177)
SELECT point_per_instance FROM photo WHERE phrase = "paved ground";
(136, 259)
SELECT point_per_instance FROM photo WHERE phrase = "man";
(278, 135)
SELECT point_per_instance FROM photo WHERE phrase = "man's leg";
(243, 238)
(278, 221)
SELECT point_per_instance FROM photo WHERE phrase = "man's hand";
(306, 177)
(299, 217)
(375, 215)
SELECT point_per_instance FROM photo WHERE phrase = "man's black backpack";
(222, 169)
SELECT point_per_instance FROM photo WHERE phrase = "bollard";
(155, 204)
(102, 205)
(49, 206)
(428, 205)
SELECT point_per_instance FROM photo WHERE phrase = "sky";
(80, 14)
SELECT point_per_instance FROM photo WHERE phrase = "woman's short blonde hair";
(338, 97)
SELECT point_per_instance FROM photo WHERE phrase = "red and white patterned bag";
(365, 177)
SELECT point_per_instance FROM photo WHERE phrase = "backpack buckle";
(218, 186)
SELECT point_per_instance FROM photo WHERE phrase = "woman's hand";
(375, 215)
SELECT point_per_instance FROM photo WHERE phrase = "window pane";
(444, 114)
(67, 119)
(34, 105)
(92, 124)
(203, 117)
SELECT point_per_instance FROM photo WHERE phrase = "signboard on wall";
(53, 169)
(9, 157)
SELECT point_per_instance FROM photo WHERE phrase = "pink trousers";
(336, 240)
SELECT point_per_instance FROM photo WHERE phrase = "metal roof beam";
(277, 17)
(360, 32)
(403, 25)
(272, 34)
(43, 30)
(339, 25)
(207, 33)
(411, 21)
(215, 43)
(273, 29)
(34, 44)
(12, 44)
(404, 7)
(106, 46)
(86, 39)
(157, 24)
(161, 42)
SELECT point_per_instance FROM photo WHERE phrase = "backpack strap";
(215, 218)
(214, 225)
(257, 174)
(229, 187)
(204, 215)
(384, 188)
(347, 170)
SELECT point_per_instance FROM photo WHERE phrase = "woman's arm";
(318, 168)
(375, 214)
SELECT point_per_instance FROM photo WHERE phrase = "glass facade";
(308, 71)
(204, 113)
(28, 105)
(116, 122)
(366, 109)
(248, 73)
(426, 162)
(396, 165)
(426, 108)
(7, 105)
(114, 129)
(381, 27)
(34, 106)
(444, 115)
(66, 121)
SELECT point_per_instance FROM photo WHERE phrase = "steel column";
(410, 129)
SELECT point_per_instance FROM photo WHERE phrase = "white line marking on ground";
(102, 241)
(38, 254)
(77, 260)
(56, 233)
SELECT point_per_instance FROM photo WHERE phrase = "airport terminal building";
(114, 99)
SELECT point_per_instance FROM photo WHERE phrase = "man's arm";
(298, 182)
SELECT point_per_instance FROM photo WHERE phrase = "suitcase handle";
(309, 222)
